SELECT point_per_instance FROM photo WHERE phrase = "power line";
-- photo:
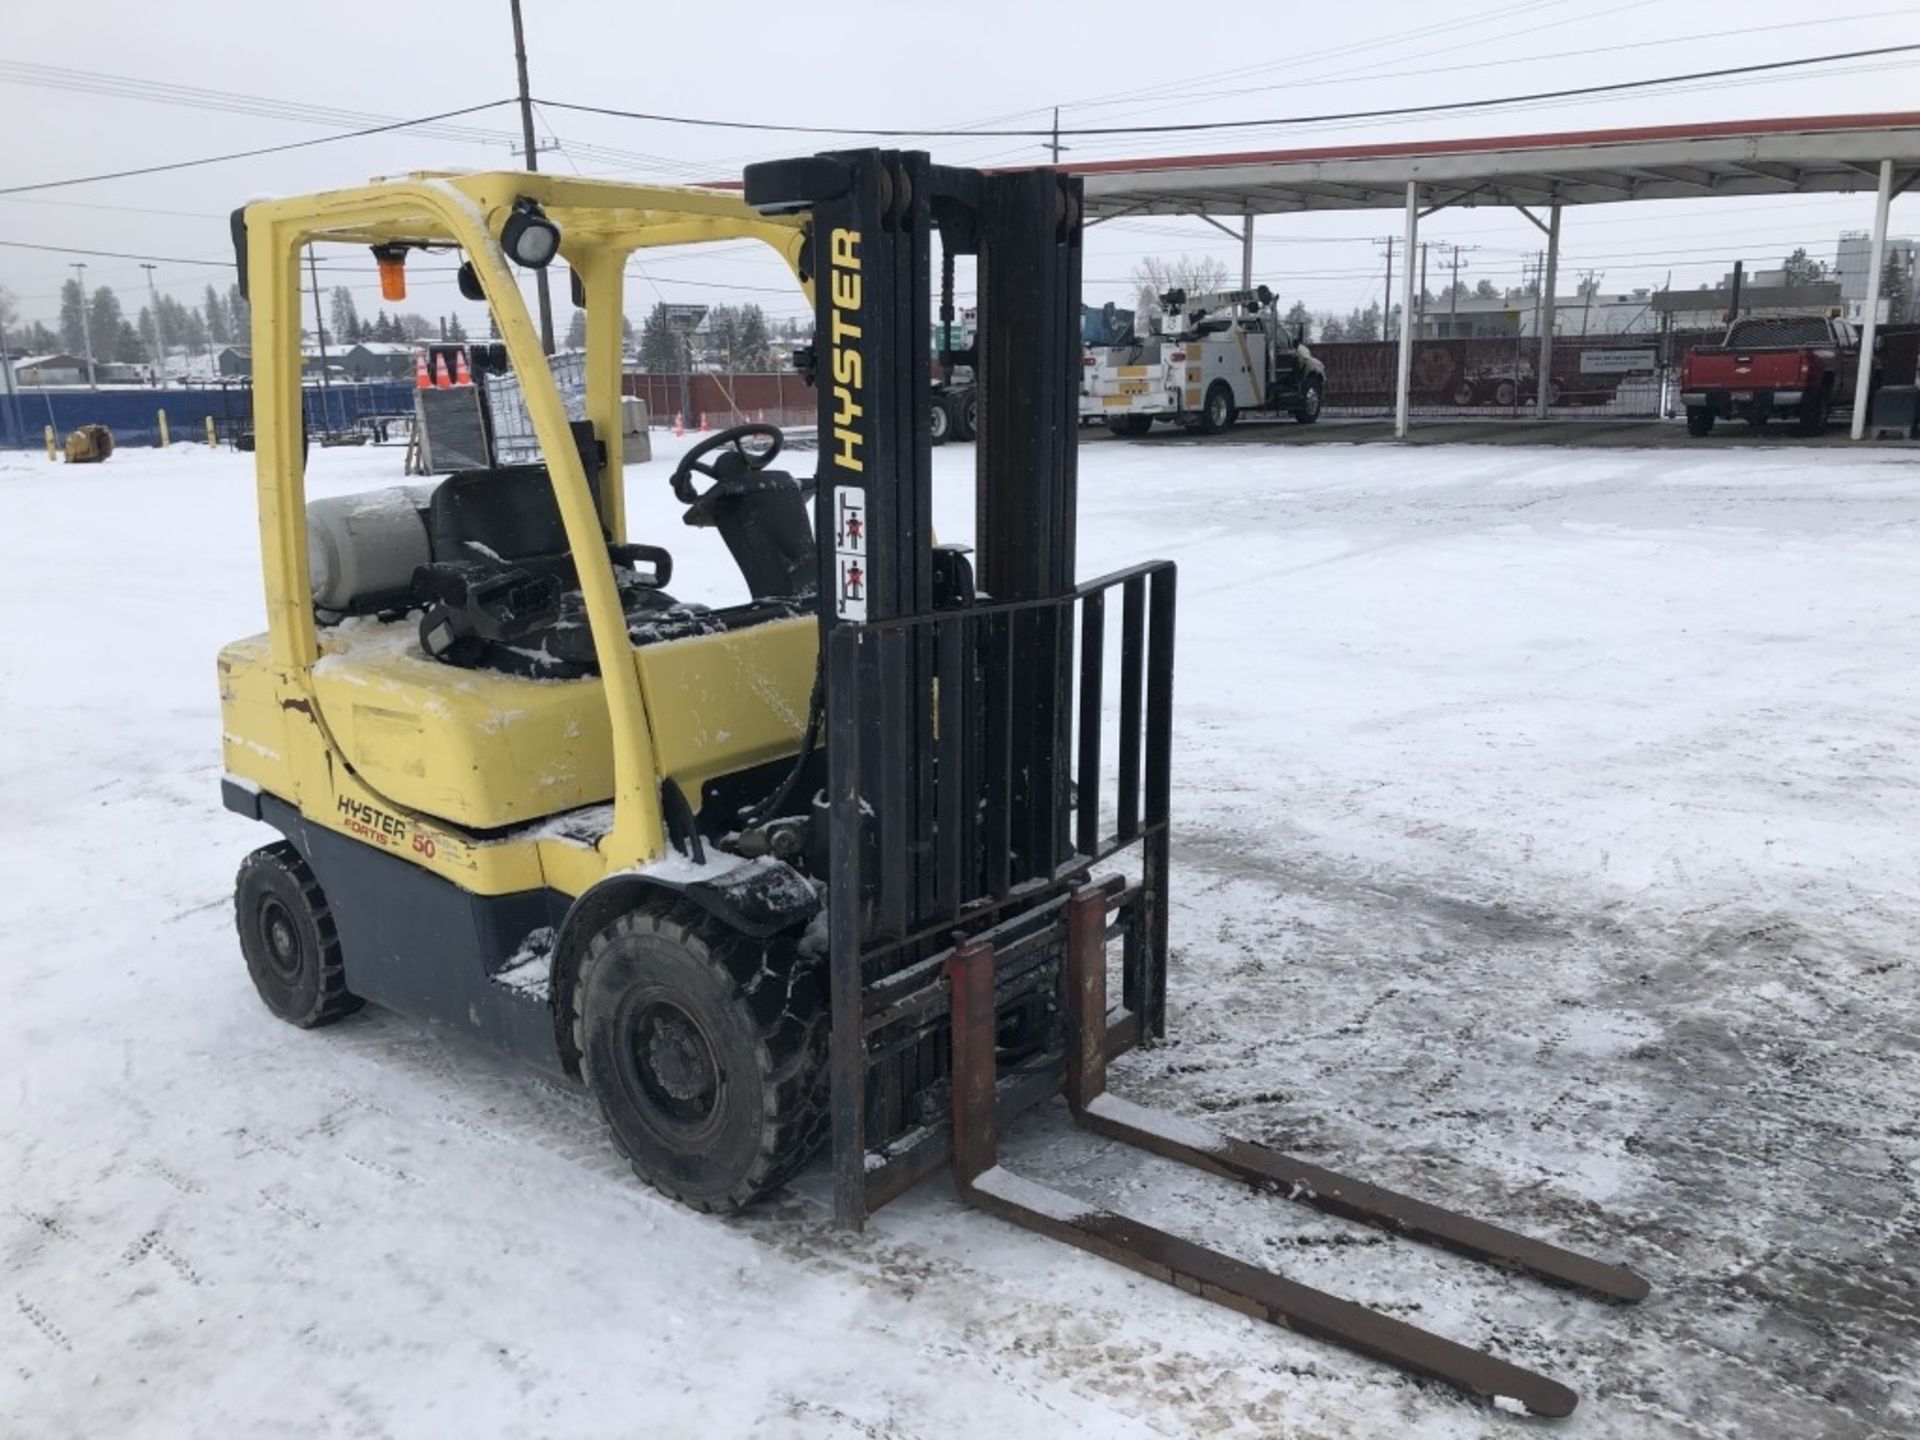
(249, 154)
(1189, 127)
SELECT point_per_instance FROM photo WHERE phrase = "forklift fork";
(1260, 1293)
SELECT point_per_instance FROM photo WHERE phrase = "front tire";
(939, 422)
(1699, 421)
(1130, 427)
(288, 938)
(705, 1051)
(1308, 410)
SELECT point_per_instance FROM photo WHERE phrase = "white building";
(1855, 259)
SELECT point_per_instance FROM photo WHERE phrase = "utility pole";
(1054, 144)
(320, 327)
(1453, 293)
(531, 154)
(1422, 304)
(156, 350)
(1386, 313)
(86, 323)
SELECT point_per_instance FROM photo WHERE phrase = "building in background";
(1855, 258)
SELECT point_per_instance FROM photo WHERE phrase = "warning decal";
(850, 553)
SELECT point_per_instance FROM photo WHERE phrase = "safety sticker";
(850, 552)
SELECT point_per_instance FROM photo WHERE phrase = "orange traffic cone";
(679, 425)
(420, 380)
(461, 375)
(440, 379)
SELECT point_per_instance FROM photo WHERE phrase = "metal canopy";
(1829, 153)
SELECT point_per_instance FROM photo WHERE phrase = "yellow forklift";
(843, 865)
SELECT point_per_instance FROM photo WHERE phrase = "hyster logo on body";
(843, 286)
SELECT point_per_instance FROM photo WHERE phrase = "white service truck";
(1211, 359)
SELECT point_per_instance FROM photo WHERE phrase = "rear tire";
(1699, 420)
(1308, 410)
(939, 422)
(288, 937)
(705, 1051)
(965, 410)
(1217, 413)
(1815, 412)
(1130, 427)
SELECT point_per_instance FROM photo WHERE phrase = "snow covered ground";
(1545, 844)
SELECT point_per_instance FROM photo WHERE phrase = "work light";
(529, 237)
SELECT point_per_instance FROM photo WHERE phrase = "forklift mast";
(951, 697)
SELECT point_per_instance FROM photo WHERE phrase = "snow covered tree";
(1800, 268)
(1486, 290)
(659, 345)
(1896, 284)
(219, 326)
(344, 315)
(239, 318)
(576, 331)
(73, 317)
(456, 332)
(1332, 328)
(1299, 320)
(107, 321)
(413, 326)
(1156, 274)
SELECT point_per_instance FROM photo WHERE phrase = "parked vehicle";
(1212, 359)
(1796, 367)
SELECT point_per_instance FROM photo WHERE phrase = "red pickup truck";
(1794, 366)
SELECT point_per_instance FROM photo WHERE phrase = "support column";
(1246, 252)
(1869, 332)
(1403, 376)
(1548, 283)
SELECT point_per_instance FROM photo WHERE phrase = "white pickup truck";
(1215, 358)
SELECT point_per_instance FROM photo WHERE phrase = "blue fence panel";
(133, 414)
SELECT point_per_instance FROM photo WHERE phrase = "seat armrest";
(651, 555)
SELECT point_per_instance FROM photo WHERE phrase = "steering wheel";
(682, 477)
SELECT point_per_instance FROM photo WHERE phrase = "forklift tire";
(1699, 420)
(706, 1055)
(1308, 410)
(1217, 414)
(939, 422)
(1131, 427)
(287, 935)
(966, 415)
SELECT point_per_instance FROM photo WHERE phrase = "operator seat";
(504, 587)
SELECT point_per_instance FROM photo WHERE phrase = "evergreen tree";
(1299, 321)
(755, 345)
(1896, 285)
(344, 315)
(73, 318)
(36, 339)
(659, 346)
(1332, 328)
(576, 331)
(106, 320)
(239, 318)
(219, 326)
(1485, 290)
(129, 348)
(456, 332)
(413, 326)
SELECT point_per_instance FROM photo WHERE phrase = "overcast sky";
(899, 64)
